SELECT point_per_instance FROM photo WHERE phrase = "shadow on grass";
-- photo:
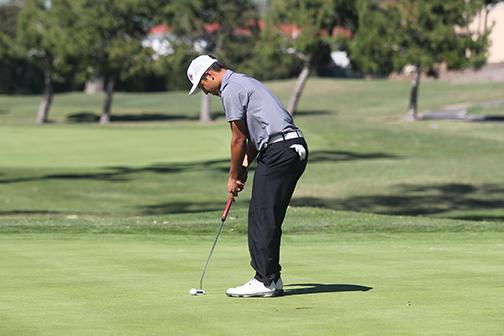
(28, 212)
(219, 114)
(180, 207)
(90, 117)
(125, 173)
(313, 113)
(488, 118)
(415, 200)
(316, 288)
(214, 115)
(480, 218)
(323, 156)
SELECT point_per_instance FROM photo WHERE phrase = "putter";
(200, 291)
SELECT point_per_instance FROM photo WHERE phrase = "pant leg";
(278, 170)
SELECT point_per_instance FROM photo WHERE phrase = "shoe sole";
(274, 294)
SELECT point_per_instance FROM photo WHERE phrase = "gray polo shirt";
(246, 98)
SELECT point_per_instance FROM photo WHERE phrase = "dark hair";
(217, 66)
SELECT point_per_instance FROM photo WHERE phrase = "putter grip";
(226, 209)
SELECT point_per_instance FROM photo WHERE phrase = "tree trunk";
(298, 90)
(107, 106)
(205, 108)
(45, 105)
(413, 101)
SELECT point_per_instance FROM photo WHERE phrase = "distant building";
(492, 15)
(161, 39)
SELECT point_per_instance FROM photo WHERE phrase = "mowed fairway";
(348, 284)
(396, 228)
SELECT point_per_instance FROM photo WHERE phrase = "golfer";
(261, 127)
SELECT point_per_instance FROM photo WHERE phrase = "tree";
(17, 74)
(4, 46)
(269, 59)
(226, 29)
(44, 37)
(315, 21)
(425, 34)
(111, 41)
(8, 18)
(8, 22)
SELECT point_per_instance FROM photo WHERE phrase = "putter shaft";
(211, 252)
(223, 219)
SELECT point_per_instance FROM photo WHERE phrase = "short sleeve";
(235, 102)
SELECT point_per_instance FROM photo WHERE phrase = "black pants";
(279, 167)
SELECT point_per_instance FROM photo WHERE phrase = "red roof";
(211, 27)
(159, 29)
(291, 30)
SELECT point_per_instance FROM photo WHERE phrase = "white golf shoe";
(255, 288)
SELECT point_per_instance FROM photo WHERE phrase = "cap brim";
(194, 90)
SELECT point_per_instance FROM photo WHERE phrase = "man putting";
(261, 127)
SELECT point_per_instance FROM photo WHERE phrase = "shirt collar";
(225, 80)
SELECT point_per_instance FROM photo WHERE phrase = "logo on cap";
(190, 77)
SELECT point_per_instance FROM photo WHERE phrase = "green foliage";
(375, 43)
(232, 42)
(111, 34)
(345, 14)
(231, 46)
(46, 38)
(269, 61)
(17, 75)
(8, 20)
(314, 18)
(173, 67)
(5, 42)
(425, 33)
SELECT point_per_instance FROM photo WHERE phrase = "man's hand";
(235, 186)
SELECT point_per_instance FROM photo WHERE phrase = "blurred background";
(53, 46)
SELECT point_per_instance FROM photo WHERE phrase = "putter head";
(196, 292)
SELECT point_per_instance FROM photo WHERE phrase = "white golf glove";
(300, 150)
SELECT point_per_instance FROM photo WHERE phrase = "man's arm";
(238, 154)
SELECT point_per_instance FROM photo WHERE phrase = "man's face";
(209, 83)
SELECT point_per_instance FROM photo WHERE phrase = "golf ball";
(193, 291)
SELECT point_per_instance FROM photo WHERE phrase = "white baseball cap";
(196, 69)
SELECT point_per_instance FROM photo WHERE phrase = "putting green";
(336, 284)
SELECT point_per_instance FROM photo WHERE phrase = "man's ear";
(211, 74)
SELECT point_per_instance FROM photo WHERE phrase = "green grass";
(492, 109)
(363, 157)
(337, 284)
(103, 229)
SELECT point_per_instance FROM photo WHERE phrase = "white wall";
(495, 16)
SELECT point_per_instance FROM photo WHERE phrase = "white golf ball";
(193, 291)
